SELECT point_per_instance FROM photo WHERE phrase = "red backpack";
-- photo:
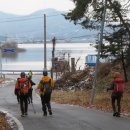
(23, 84)
(118, 85)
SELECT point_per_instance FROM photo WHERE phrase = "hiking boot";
(22, 115)
(115, 113)
(45, 114)
(50, 112)
(25, 113)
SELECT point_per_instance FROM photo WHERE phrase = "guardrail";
(19, 71)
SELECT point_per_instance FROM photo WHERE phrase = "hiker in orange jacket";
(45, 87)
(22, 86)
(117, 86)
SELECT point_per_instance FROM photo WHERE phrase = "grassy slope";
(102, 98)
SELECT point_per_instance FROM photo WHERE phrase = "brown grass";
(4, 125)
(102, 101)
(75, 98)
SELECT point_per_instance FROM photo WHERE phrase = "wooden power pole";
(53, 55)
(45, 65)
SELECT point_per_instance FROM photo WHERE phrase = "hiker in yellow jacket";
(45, 87)
(30, 74)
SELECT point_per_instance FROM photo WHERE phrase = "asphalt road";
(65, 117)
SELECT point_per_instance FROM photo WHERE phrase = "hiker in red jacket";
(117, 86)
(22, 86)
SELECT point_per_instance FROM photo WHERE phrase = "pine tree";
(88, 13)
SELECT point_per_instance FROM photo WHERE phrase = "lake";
(33, 57)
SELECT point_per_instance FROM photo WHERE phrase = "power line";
(25, 19)
(53, 15)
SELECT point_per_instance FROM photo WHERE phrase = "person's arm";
(39, 90)
(17, 84)
(111, 86)
(30, 86)
(39, 85)
(16, 87)
(32, 83)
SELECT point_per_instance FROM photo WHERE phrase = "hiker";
(30, 98)
(22, 86)
(117, 86)
(45, 87)
(30, 74)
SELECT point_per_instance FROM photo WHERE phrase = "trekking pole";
(33, 108)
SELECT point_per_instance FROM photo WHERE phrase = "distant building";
(90, 60)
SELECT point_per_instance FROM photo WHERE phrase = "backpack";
(47, 87)
(118, 85)
(23, 87)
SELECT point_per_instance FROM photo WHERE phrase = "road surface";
(65, 117)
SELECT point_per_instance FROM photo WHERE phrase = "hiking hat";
(117, 74)
(22, 74)
(45, 73)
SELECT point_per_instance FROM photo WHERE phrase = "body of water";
(33, 57)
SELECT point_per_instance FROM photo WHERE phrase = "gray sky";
(23, 7)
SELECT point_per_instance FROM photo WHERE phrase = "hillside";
(77, 89)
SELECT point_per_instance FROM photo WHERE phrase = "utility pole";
(73, 65)
(122, 59)
(45, 66)
(98, 55)
(68, 62)
(53, 55)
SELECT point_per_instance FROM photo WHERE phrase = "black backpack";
(47, 87)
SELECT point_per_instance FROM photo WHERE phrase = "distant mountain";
(31, 27)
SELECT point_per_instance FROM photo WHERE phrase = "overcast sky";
(23, 7)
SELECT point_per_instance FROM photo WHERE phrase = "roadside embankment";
(4, 125)
(76, 89)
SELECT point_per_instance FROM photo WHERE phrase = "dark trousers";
(24, 104)
(45, 100)
(116, 102)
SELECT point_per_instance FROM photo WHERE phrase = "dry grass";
(102, 101)
(4, 125)
(75, 98)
